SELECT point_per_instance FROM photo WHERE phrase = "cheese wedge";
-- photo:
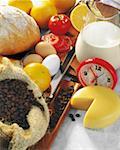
(102, 105)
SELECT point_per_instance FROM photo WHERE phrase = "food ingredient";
(78, 115)
(39, 74)
(24, 5)
(32, 58)
(52, 62)
(18, 31)
(52, 39)
(17, 88)
(59, 24)
(66, 44)
(61, 43)
(42, 12)
(59, 105)
(81, 16)
(14, 108)
(99, 39)
(102, 105)
(44, 49)
(72, 117)
(63, 5)
(14, 61)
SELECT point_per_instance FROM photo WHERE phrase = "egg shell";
(44, 49)
(52, 62)
(32, 58)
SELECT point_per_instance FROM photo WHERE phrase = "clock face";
(96, 74)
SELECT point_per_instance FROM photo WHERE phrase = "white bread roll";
(18, 31)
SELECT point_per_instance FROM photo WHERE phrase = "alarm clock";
(97, 71)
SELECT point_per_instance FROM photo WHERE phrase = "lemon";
(39, 74)
(81, 16)
(42, 11)
(24, 5)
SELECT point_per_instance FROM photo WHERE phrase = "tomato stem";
(59, 17)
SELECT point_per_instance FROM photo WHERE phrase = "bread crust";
(18, 31)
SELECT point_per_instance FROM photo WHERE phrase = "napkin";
(113, 3)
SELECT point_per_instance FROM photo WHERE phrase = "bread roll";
(18, 31)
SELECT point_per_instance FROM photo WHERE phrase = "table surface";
(73, 136)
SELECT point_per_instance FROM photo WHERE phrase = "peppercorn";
(59, 105)
(78, 115)
(72, 117)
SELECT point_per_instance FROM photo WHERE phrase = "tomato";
(59, 24)
(52, 39)
(61, 43)
(67, 44)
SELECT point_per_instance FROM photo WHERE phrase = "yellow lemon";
(42, 12)
(24, 5)
(81, 16)
(39, 74)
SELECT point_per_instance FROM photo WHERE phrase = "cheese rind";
(103, 106)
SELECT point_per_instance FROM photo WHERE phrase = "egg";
(44, 49)
(32, 58)
(52, 62)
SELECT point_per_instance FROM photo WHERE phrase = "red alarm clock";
(97, 71)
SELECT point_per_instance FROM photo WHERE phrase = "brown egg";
(44, 49)
(32, 58)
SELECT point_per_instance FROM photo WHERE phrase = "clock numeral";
(108, 80)
(85, 73)
(98, 68)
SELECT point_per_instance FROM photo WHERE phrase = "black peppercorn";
(72, 117)
(59, 105)
(78, 115)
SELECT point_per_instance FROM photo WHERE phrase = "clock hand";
(97, 77)
(93, 72)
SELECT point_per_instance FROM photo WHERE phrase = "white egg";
(52, 62)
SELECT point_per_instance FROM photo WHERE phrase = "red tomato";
(61, 43)
(67, 44)
(52, 39)
(59, 24)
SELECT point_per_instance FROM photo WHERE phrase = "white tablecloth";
(73, 136)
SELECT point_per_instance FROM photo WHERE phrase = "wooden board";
(47, 140)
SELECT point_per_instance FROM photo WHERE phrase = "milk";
(105, 34)
(99, 39)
